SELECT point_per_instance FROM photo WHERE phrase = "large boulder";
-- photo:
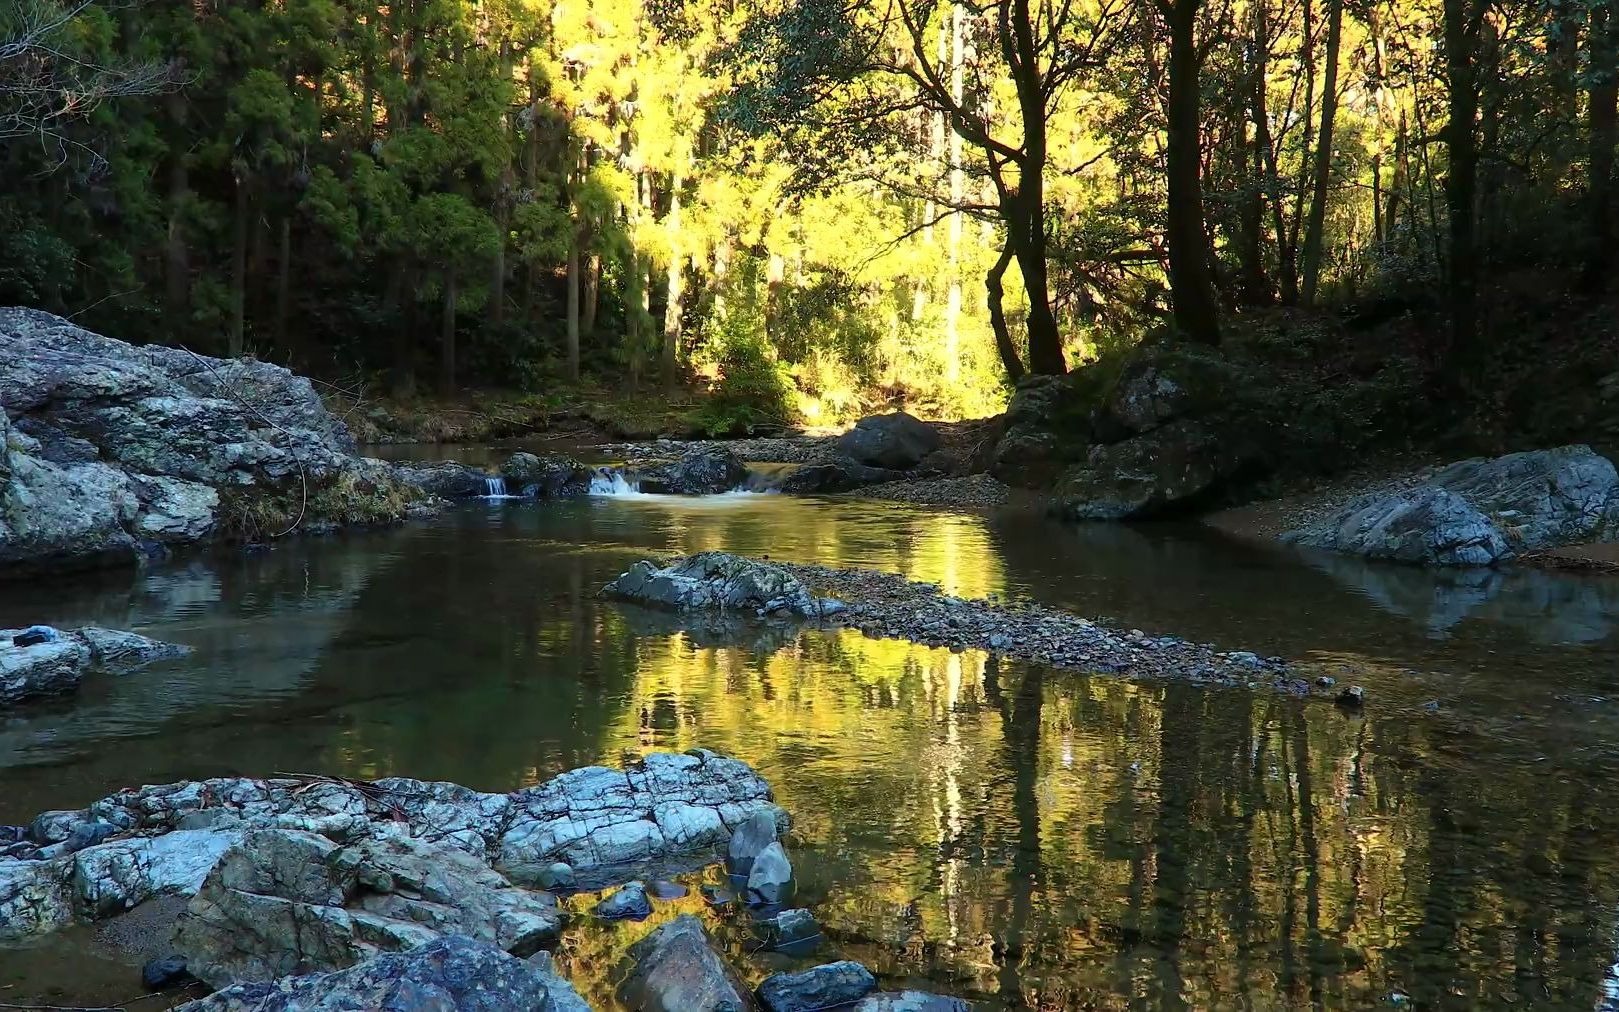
(667, 812)
(897, 441)
(1045, 431)
(107, 449)
(1173, 467)
(448, 479)
(548, 476)
(285, 902)
(830, 985)
(833, 476)
(1164, 383)
(1480, 512)
(450, 974)
(707, 470)
(42, 661)
(720, 581)
(675, 969)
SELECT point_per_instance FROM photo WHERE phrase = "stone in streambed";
(675, 969)
(821, 987)
(165, 973)
(770, 882)
(628, 903)
(792, 931)
(749, 840)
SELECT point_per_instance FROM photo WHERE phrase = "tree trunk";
(675, 294)
(1313, 232)
(1460, 37)
(1190, 280)
(283, 281)
(177, 272)
(952, 309)
(1026, 212)
(997, 317)
(238, 281)
(447, 333)
(592, 293)
(573, 306)
(1604, 127)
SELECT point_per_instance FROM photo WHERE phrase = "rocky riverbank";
(886, 606)
(322, 893)
(110, 454)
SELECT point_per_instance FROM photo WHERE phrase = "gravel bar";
(886, 606)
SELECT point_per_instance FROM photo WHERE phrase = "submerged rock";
(909, 1001)
(897, 441)
(449, 974)
(822, 987)
(720, 581)
(1480, 512)
(165, 973)
(675, 969)
(42, 661)
(794, 931)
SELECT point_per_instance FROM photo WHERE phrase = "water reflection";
(1028, 837)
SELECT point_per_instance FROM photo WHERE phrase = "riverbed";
(1019, 836)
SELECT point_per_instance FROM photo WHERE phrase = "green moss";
(350, 499)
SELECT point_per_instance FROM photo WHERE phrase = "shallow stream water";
(1025, 837)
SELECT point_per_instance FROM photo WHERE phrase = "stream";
(1023, 837)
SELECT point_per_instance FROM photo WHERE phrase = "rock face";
(609, 825)
(751, 838)
(106, 448)
(42, 661)
(450, 974)
(286, 902)
(707, 470)
(720, 581)
(677, 970)
(897, 441)
(1046, 430)
(770, 880)
(549, 476)
(1481, 512)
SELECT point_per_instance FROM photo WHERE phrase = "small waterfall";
(611, 481)
(494, 486)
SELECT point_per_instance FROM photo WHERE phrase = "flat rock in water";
(720, 581)
(43, 661)
(449, 974)
(821, 987)
(675, 969)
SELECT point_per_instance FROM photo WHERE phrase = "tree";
(1191, 283)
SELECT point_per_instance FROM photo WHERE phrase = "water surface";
(1026, 837)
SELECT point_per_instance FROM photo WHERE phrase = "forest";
(806, 208)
